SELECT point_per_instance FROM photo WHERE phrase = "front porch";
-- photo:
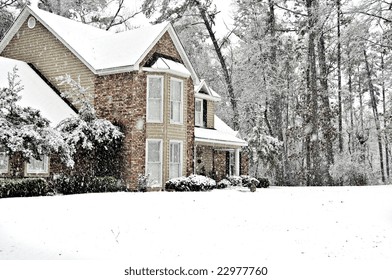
(219, 162)
(218, 152)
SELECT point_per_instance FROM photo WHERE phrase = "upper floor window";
(3, 161)
(155, 99)
(176, 96)
(36, 166)
(198, 112)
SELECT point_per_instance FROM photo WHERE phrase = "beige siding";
(210, 113)
(167, 131)
(41, 48)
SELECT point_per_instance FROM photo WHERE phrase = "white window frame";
(231, 163)
(6, 160)
(162, 101)
(201, 124)
(172, 121)
(180, 157)
(160, 141)
(30, 170)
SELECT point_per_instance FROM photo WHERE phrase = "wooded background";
(305, 82)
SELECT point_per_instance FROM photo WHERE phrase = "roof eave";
(221, 142)
(168, 71)
(207, 97)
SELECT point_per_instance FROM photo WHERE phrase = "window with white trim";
(154, 162)
(4, 161)
(198, 112)
(231, 163)
(36, 166)
(176, 93)
(155, 99)
(175, 159)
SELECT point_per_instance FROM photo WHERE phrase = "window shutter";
(241, 164)
(205, 113)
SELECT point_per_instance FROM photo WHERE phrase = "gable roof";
(103, 52)
(209, 93)
(36, 93)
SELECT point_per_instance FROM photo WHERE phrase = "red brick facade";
(121, 98)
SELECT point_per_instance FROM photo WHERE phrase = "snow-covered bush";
(223, 184)
(23, 187)
(98, 140)
(24, 131)
(84, 184)
(194, 183)
(263, 182)
(235, 180)
(179, 184)
(201, 183)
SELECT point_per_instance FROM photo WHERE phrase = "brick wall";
(190, 122)
(204, 160)
(244, 163)
(164, 46)
(220, 165)
(121, 98)
(41, 48)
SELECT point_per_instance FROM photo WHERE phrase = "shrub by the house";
(193, 183)
(263, 182)
(24, 187)
(223, 184)
(235, 180)
(83, 184)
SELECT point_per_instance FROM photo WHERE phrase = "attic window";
(31, 22)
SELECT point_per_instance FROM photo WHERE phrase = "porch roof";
(221, 134)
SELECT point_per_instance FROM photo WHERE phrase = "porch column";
(237, 162)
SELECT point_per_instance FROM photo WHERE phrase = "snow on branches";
(85, 131)
(24, 130)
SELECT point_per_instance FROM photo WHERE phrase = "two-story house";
(141, 79)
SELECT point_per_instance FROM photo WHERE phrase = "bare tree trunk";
(222, 61)
(340, 121)
(384, 113)
(350, 89)
(276, 100)
(327, 115)
(314, 120)
(360, 99)
(376, 118)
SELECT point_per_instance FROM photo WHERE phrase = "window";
(38, 166)
(154, 99)
(3, 161)
(176, 92)
(154, 162)
(231, 163)
(175, 159)
(199, 112)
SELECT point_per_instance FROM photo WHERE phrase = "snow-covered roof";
(167, 65)
(209, 93)
(103, 52)
(102, 49)
(221, 134)
(36, 92)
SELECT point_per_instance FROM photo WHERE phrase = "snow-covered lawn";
(222, 227)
